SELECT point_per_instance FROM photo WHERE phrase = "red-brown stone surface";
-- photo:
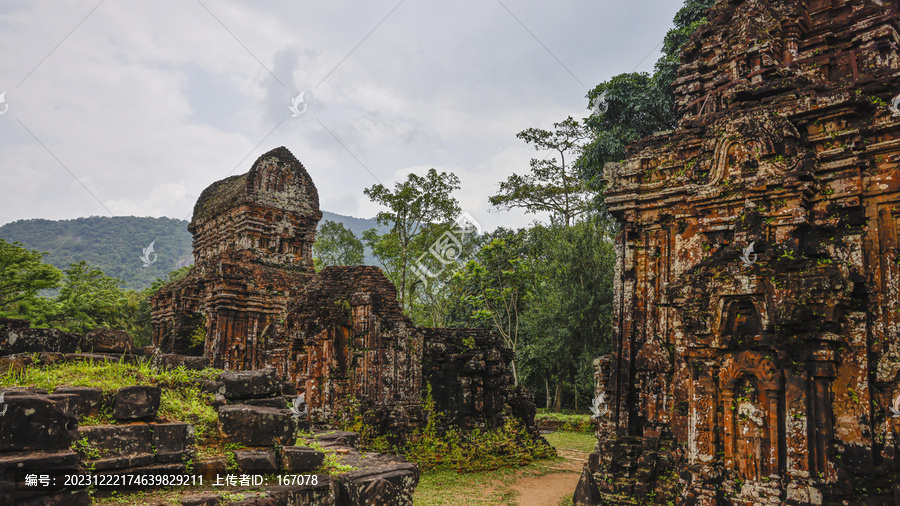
(353, 349)
(252, 300)
(253, 236)
(763, 375)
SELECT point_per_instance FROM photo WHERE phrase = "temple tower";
(757, 318)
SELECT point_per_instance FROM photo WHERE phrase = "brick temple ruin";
(757, 312)
(253, 300)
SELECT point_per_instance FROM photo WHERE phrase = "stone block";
(280, 402)
(201, 500)
(250, 384)
(289, 389)
(68, 403)
(88, 400)
(218, 401)
(299, 458)
(11, 365)
(209, 467)
(107, 341)
(388, 485)
(338, 438)
(21, 339)
(211, 387)
(173, 441)
(33, 422)
(112, 439)
(51, 357)
(255, 426)
(260, 461)
(195, 363)
(136, 402)
(12, 391)
(169, 361)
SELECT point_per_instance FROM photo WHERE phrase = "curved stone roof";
(277, 179)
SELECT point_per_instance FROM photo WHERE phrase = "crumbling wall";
(17, 336)
(252, 301)
(756, 318)
(471, 381)
(352, 348)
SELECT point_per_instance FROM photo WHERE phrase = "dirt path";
(549, 490)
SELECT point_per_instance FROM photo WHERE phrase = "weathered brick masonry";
(253, 236)
(351, 344)
(253, 300)
(757, 313)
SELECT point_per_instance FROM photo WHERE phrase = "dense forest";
(116, 245)
(113, 245)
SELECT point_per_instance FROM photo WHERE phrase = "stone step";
(256, 426)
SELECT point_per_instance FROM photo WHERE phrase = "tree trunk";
(547, 389)
(557, 404)
(512, 364)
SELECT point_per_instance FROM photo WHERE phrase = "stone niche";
(757, 312)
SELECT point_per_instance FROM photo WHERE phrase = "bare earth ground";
(552, 488)
(543, 483)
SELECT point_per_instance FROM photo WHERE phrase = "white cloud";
(147, 103)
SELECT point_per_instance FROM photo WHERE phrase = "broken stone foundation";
(40, 437)
(757, 317)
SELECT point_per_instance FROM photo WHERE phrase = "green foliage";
(336, 245)
(413, 206)
(86, 449)
(475, 450)
(634, 105)
(570, 421)
(495, 289)
(22, 275)
(439, 446)
(113, 245)
(88, 299)
(198, 336)
(552, 186)
(181, 400)
(570, 307)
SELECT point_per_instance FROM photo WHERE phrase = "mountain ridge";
(116, 244)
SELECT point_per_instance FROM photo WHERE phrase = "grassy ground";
(182, 401)
(438, 488)
(573, 422)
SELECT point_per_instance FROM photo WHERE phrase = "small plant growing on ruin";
(86, 449)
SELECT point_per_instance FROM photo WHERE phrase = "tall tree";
(634, 105)
(337, 245)
(568, 318)
(412, 206)
(88, 299)
(552, 186)
(496, 287)
(23, 274)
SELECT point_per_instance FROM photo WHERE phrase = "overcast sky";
(133, 107)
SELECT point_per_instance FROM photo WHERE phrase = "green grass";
(181, 400)
(438, 488)
(572, 441)
(571, 421)
(444, 487)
